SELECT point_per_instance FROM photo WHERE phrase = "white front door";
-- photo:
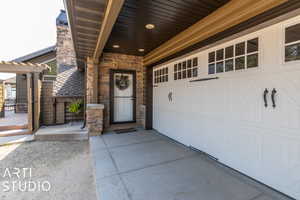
(123, 97)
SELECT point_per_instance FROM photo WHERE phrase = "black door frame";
(111, 96)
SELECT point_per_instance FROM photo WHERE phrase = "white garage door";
(227, 117)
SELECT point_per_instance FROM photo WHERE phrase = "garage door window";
(161, 75)
(292, 43)
(236, 57)
(186, 69)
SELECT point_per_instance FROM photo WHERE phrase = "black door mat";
(125, 130)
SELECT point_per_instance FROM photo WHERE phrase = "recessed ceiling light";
(141, 50)
(116, 46)
(150, 26)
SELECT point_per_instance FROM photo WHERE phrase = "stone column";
(94, 119)
(92, 81)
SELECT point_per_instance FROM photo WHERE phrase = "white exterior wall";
(227, 119)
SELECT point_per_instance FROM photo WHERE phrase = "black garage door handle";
(265, 97)
(273, 97)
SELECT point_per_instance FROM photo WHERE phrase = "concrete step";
(62, 137)
(16, 132)
(13, 127)
(16, 139)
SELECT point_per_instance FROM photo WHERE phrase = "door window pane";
(292, 52)
(292, 33)
(189, 63)
(211, 68)
(229, 65)
(184, 65)
(240, 49)
(195, 62)
(189, 73)
(252, 45)
(195, 72)
(184, 74)
(229, 52)
(179, 75)
(252, 60)
(220, 54)
(240, 63)
(220, 67)
(211, 57)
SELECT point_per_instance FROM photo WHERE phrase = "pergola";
(32, 72)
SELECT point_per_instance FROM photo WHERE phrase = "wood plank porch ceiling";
(170, 17)
(85, 17)
(178, 24)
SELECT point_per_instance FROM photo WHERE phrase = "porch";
(11, 118)
(146, 165)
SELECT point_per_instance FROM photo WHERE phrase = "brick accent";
(2, 112)
(92, 83)
(120, 61)
(94, 119)
(143, 115)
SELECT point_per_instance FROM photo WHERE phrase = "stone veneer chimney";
(65, 53)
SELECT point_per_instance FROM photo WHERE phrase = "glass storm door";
(123, 97)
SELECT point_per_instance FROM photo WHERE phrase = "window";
(236, 57)
(292, 43)
(186, 69)
(161, 75)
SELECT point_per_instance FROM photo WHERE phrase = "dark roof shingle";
(69, 82)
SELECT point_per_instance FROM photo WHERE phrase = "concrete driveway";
(144, 165)
(66, 166)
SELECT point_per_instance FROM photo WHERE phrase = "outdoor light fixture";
(116, 46)
(150, 26)
(141, 50)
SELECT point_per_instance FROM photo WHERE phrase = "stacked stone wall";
(126, 62)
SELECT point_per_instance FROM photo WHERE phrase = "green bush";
(76, 107)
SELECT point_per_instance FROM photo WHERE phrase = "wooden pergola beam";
(229, 15)
(110, 16)
(20, 67)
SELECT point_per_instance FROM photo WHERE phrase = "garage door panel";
(287, 111)
(280, 162)
(245, 99)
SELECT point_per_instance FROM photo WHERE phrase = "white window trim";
(166, 74)
(192, 68)
(283, 44)
(234, 43)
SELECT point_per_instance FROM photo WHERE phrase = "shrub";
(76, 107)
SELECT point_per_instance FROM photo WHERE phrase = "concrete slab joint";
(94, 119)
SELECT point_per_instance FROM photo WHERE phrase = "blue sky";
(27, 26)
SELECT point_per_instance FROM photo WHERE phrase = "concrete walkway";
(144, 165)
